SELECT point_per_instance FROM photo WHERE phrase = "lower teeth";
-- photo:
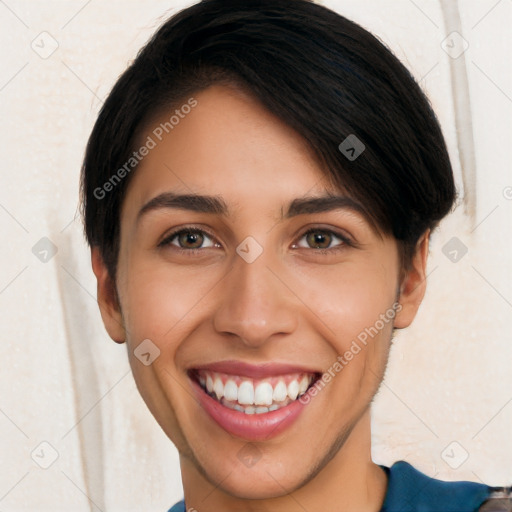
(253, 409)
(250, 409)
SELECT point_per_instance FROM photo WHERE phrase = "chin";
(259, 484)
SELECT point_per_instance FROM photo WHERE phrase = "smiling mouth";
(254, 396)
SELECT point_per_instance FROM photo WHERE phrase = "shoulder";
(179, 507)
(409, 490)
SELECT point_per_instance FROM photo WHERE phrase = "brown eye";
(190, 239)
(319, 239)
(323, 240)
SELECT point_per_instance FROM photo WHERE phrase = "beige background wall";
(64, 383)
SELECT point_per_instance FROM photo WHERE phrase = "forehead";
(227, 144)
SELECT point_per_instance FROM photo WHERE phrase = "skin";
(293, 304)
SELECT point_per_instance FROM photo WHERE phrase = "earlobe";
(107, 298)
(413, 284)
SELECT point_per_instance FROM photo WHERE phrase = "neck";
(348, 481)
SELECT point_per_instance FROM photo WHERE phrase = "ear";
(413, 284)
(107, 298)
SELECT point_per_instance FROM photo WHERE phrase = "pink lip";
(259, 371)
(254, 427)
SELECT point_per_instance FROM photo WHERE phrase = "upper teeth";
(255, 392)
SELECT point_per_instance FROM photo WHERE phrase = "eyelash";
(343, 238)
(191, 229)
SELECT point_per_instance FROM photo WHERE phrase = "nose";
(256, 303)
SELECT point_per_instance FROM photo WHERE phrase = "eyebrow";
(217, 205)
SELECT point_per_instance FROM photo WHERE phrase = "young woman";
(258, 193)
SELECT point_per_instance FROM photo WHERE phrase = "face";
(251, 288)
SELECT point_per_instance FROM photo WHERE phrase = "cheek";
(347, 303)
(350, 302)
(357, 308)
(159, 300)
